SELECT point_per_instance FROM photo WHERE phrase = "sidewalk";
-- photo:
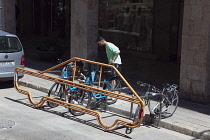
(190, 118)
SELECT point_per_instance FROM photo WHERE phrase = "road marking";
(5, 91)
(141, 131)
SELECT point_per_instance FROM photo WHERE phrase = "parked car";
(11, 56)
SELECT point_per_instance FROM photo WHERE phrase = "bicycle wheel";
(168, 104)
(56, 92)
(111, 100)
(90, 100)
(77, 98)
(96, 101)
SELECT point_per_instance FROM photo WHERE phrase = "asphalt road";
(20, 121)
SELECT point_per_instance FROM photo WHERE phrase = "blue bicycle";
(66, 93)
(80, 97)
(107, 85)
(96, 100)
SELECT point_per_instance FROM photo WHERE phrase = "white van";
(11, 56)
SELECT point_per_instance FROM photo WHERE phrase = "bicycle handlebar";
(172, 87)
(146, 84)
(167, 87)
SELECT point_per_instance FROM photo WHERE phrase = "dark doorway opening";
(43, 16)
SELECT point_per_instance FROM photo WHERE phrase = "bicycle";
(95, 100)
(108, 86)
(82, 97)
(161, 103)
(57, 91)
(106, 82)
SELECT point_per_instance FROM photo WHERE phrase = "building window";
(1, 23)
(127, 23)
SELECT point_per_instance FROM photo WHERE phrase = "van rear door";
(11, 55)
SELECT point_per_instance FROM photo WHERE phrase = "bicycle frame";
(64, 75)
(153, 91)
(90, 80)
(160, 103)
(94, 95)
(98, 90)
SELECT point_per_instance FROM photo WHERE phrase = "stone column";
(84, 29)
(9, 21)
(195, 54)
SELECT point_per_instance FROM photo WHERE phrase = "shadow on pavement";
(6, 84)
(204, 109)
(45, 108)
(205, 135)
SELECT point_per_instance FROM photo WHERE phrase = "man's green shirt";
(111, 50)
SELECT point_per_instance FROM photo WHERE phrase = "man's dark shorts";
(114, 73)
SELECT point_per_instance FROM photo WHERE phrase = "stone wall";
(195, 56)
(9, 22)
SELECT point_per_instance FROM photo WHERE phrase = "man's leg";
(115, 75)
(66, 93)
(113, 83)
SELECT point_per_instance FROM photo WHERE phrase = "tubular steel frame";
(116, 123)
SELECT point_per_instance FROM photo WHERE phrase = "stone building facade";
(194, 41)
(195, 51)
(7, 13)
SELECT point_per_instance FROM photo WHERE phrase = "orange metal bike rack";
(117, 122)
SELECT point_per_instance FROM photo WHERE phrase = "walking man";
(113, 55)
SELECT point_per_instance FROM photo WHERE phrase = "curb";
(147, 119)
